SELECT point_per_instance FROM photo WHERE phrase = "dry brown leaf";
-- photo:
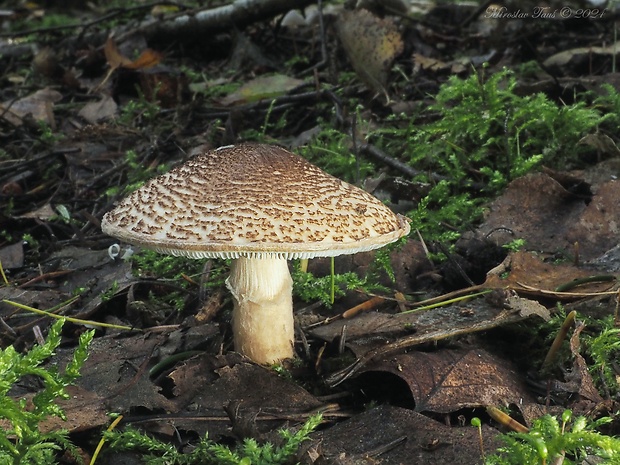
(147, 59)
(580, 376)
(575, 56)
(44, 212)
(602, 143)
(12, 256)
(94, 112)
(390, 435)
(371, 44)
(420, 62)
(377, 330)
(116, 59)
(552, 218)
(84, 410)
(448, 380)
(113, 371)
(39, 105)
(206, 383)
(113, 55)
(263, 87)
(528, 274)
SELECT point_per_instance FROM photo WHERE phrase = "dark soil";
(104, 100)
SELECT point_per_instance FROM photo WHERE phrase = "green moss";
(207, 452)
(476, 137)
(549, 439)
(21, 440)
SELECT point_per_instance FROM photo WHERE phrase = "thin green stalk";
(68, 318)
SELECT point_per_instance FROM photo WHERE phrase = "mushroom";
(259, 205)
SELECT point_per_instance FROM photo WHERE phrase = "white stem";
(262, 319)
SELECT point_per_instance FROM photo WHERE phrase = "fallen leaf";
(44, 212)
(393, 435)
(449, 380)
(598, 227)
(94, 112)
(527, 307)
(12, 256)
(377, 330)
(580, 376)
(45, 298)
(116, 59)
(207, 383)
(39, 105)
(580, 57)
(540, 210)
(528, 274)
(113, 55)
(602, 143)
(371, 44)
(147, 59)
(420, 62)
(264, 87)
(84, 410)
(113, 371)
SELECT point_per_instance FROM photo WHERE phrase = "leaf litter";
(444, 356)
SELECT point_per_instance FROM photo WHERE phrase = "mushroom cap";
(252, 201)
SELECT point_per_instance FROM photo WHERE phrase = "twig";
(477, 12)
(404, 168)
(559, 339)
(240, 13)
(367, 305)
(506, 316)
(506, 420)
(185, 26)
(323, 61)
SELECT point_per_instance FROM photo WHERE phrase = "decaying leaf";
(581, 56)
(529, 274)
(421, 62)
(116, 371)
(527, 307)
(601, 142)
(94, 112)
(448, 380)
(264, 87)
(208, 383)
(579, 378)
(113, 55)
(542, 211)
(393, 435)
(371, 44)
(12, 256)
(116, 59)
(381, 331)
(39, 106)
(83, 410)
(147, 59)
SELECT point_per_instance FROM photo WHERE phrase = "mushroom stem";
(262, 319)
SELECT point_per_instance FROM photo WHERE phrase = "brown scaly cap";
(254, 201)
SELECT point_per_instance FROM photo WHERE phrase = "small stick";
(506, 420)
(559, 339)
(367, 305)
(6, 281)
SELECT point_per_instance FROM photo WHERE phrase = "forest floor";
(492, 127)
